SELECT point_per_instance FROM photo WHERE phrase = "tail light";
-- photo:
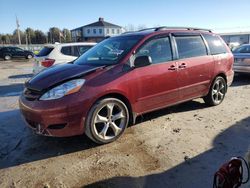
(48, 62)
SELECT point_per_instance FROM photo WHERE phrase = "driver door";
(18, 52)
(156, 85)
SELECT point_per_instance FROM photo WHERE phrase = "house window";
(113, 31)
(107, 31)
(117, 31)
(100, 31)
(88, 31)
(94, 31)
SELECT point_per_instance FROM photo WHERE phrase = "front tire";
(29, 56)
(217, 92)
(107, 120)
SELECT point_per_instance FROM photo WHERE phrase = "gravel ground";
(181, 146)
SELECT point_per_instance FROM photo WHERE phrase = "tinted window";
(242, 49)
(158, 49)
(5, 49)
(18, 49)
(215, 44)
(75, 51)
(190, 46)
(66, 50)
(45, 51)
(83, 49)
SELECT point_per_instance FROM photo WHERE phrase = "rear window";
(190, 46)
(215, 44)
(45, 51)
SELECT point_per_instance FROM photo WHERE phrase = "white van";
(58, 53)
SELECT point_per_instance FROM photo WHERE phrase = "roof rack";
(170, 28)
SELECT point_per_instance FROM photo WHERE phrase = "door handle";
(172, 67)
(183, 65)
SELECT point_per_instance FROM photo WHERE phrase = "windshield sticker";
(116, 52)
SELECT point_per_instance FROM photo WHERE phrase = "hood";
(27, 51)
(58, 74)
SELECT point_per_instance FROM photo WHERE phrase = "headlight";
(64, 89)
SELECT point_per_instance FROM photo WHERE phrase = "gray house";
(96, 31)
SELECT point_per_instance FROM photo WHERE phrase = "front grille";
(32, 95)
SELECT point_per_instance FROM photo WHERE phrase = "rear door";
(194, 65)
(68, 53)
(155, 86)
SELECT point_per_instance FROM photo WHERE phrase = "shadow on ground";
(197, 171)
(184, 107)
(20, 145)
(21, 76)
(241, 79)
(11, 90)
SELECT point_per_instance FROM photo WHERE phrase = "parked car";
(10, 52)
(125, 76)
(242, 59)
(53, 54)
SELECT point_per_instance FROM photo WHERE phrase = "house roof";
(100, 23)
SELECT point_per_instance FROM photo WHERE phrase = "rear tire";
(7, 57)
(106, 120)
(217, 92)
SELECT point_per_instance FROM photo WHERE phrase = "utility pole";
(18, 32)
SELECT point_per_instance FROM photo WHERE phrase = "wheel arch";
(124, 99)
(221, 74)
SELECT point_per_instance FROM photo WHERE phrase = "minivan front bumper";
(59, 118)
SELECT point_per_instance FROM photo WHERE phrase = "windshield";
(109, 51)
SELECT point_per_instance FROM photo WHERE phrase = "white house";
(96, 31)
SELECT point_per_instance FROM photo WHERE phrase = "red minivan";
(122, 77)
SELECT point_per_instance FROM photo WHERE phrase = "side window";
(66, 50)
(75, 51)
(83, 49)
(215, 44)
(18, 49)
(158, 49)
(190, 46)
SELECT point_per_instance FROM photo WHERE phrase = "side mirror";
(142, 61)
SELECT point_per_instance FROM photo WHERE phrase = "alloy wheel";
(218, 91)
(29, 56)
(109, 121)
(7, 57)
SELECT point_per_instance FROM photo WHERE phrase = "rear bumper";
(230, 77)
(53, 118)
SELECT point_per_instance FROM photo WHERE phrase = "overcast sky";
(221, 15)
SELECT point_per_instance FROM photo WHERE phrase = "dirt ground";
(180, 146)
